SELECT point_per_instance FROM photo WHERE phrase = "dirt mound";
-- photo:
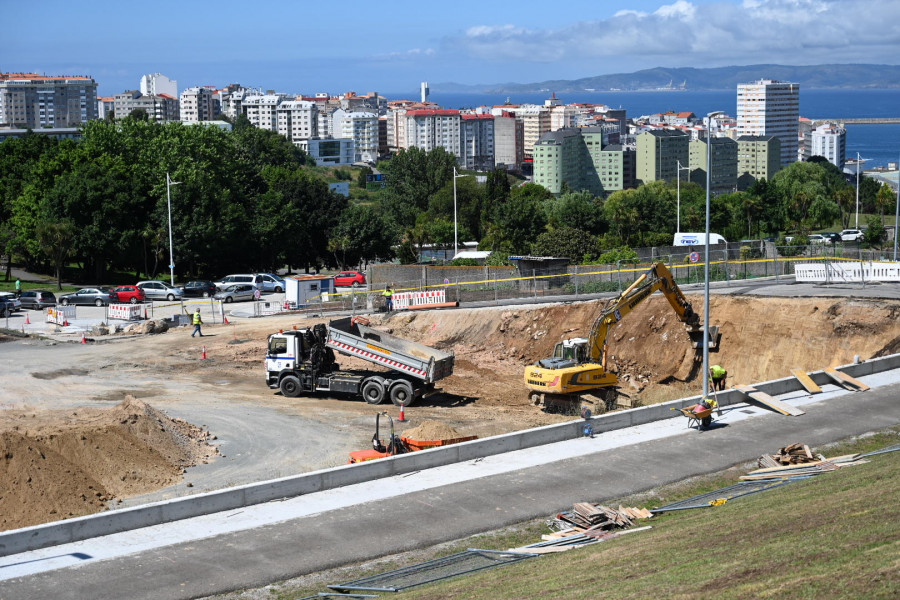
(431, 430)
(57, 466)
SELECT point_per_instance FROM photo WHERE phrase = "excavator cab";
(567, 353)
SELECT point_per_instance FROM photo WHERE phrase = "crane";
(578, 365)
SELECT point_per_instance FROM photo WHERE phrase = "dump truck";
(302, 362)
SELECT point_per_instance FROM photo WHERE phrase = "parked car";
(160, 290)
(6, 307)
(37, 299)
(200, 288)
(236, 293)
(11, 298)
(815, 238)
(129, 293)
(86, 296)
(230, 280)
(851, 235)
(349, 279)
(269, 282)
(832, 237)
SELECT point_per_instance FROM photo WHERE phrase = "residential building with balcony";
(433, 128)
(197, 104)
(658, 153)
(362, 128)
(262, 110)
(32, 101)
(159, 108)
(477, 142)
(297, 120)
(829, 141)
(769, 107)
(759, 157)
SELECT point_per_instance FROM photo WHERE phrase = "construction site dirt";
(125, 420)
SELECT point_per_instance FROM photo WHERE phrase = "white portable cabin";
(300, 290)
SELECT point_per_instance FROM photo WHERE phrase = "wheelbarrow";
(702, 417)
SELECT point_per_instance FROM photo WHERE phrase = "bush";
(463, 262)
(613, 256)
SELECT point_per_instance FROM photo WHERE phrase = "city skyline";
(392, 47)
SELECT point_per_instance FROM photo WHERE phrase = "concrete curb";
(116, 521)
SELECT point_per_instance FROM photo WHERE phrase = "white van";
(697, 239)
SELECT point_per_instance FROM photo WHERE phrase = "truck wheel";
(290, 386)
(373, 391)
(401, 393)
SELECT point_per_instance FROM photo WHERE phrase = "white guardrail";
(847, 272)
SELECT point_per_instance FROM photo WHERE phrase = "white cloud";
(699, 33)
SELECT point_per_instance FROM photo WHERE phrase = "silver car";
(236, 293)
(160, 290)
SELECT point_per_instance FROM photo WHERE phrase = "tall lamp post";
(709, 118)
(169, 184)
(455, 226)
(897, 217)
(678, 197)
(858, 160)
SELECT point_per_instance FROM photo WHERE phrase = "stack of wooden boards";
(796, 460)
(789, 455)
(591, 517)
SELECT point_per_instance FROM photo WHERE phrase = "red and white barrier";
(126, 312)
(60, 315)
(407, 300)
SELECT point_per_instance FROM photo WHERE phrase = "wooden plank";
(806, 381)
(845, 380)
(767, 400)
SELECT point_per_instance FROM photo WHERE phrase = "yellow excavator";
(578, 365)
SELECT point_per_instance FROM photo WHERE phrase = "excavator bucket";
(697, 337)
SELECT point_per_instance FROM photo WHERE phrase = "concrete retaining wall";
(115, 521)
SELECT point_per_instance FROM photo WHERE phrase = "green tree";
(577, 245)
(579, 209)
(56, 239)
(884, 198)
(518, 221)
(413, 176)
(875, 233)
(361, 235)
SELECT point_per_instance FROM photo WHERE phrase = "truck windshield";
(278, 345)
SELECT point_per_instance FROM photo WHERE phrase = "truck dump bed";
(418, 360)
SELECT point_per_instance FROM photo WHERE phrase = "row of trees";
(247, 199)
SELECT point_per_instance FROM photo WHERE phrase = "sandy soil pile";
(57, 466)
(432, 430)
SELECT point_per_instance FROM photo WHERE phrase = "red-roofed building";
(35, 101)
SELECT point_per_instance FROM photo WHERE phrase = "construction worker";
(388, 302)
(718, 375)
(18, 287)
(197, 321)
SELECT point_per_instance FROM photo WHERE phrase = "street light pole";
(857, 190)
(169, 184)
(678, 197)
(897, 217)
(706, 257)
(455, 226)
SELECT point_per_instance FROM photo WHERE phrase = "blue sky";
(305, 47)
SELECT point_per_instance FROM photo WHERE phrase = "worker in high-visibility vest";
(718, 375)
(197, 321)
(388, 301)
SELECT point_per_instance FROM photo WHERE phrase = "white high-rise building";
(197, 105)
(429, 128)
(362, 128)
(830, 141)
(769, 107)
(262, 111)
(424, 92)
(298, 120)
(157, 84)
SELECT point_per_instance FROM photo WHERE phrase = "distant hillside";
(721, 78)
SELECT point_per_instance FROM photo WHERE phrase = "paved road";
(327, 529)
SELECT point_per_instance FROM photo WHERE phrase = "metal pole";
(455, 241)
(678, 201)
(169, 184)
(706, 260)
(897, 216)
(857, 190)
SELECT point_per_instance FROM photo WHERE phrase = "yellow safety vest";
(387, 293)
(718, 372)
(197, 319)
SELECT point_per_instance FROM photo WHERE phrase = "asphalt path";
(360, 525)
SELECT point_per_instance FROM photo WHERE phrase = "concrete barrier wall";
(116, 521)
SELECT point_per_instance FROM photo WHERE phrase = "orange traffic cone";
(402, 418)
(203, 356)
(226, 321)
(27, 319)
(65, 323)
(83, 339)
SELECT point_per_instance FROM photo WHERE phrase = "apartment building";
(658, 153)
(197, 104)
(769, 107)
(535, 123)
(509, 149)
(362, 128)
(477, 142)
(297, 120)
(723, 158)
(262, 110)
(759, 157)
(159, 108)
(829, 141)
(29, 100)
(157, 84)
(616, 168)
(432, 128)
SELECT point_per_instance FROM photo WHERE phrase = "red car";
(349, 279)
(128, 293)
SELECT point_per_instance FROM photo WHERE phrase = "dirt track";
(260, 434)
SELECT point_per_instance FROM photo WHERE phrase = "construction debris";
(789, 455)
(796, 460)
(591, 517)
